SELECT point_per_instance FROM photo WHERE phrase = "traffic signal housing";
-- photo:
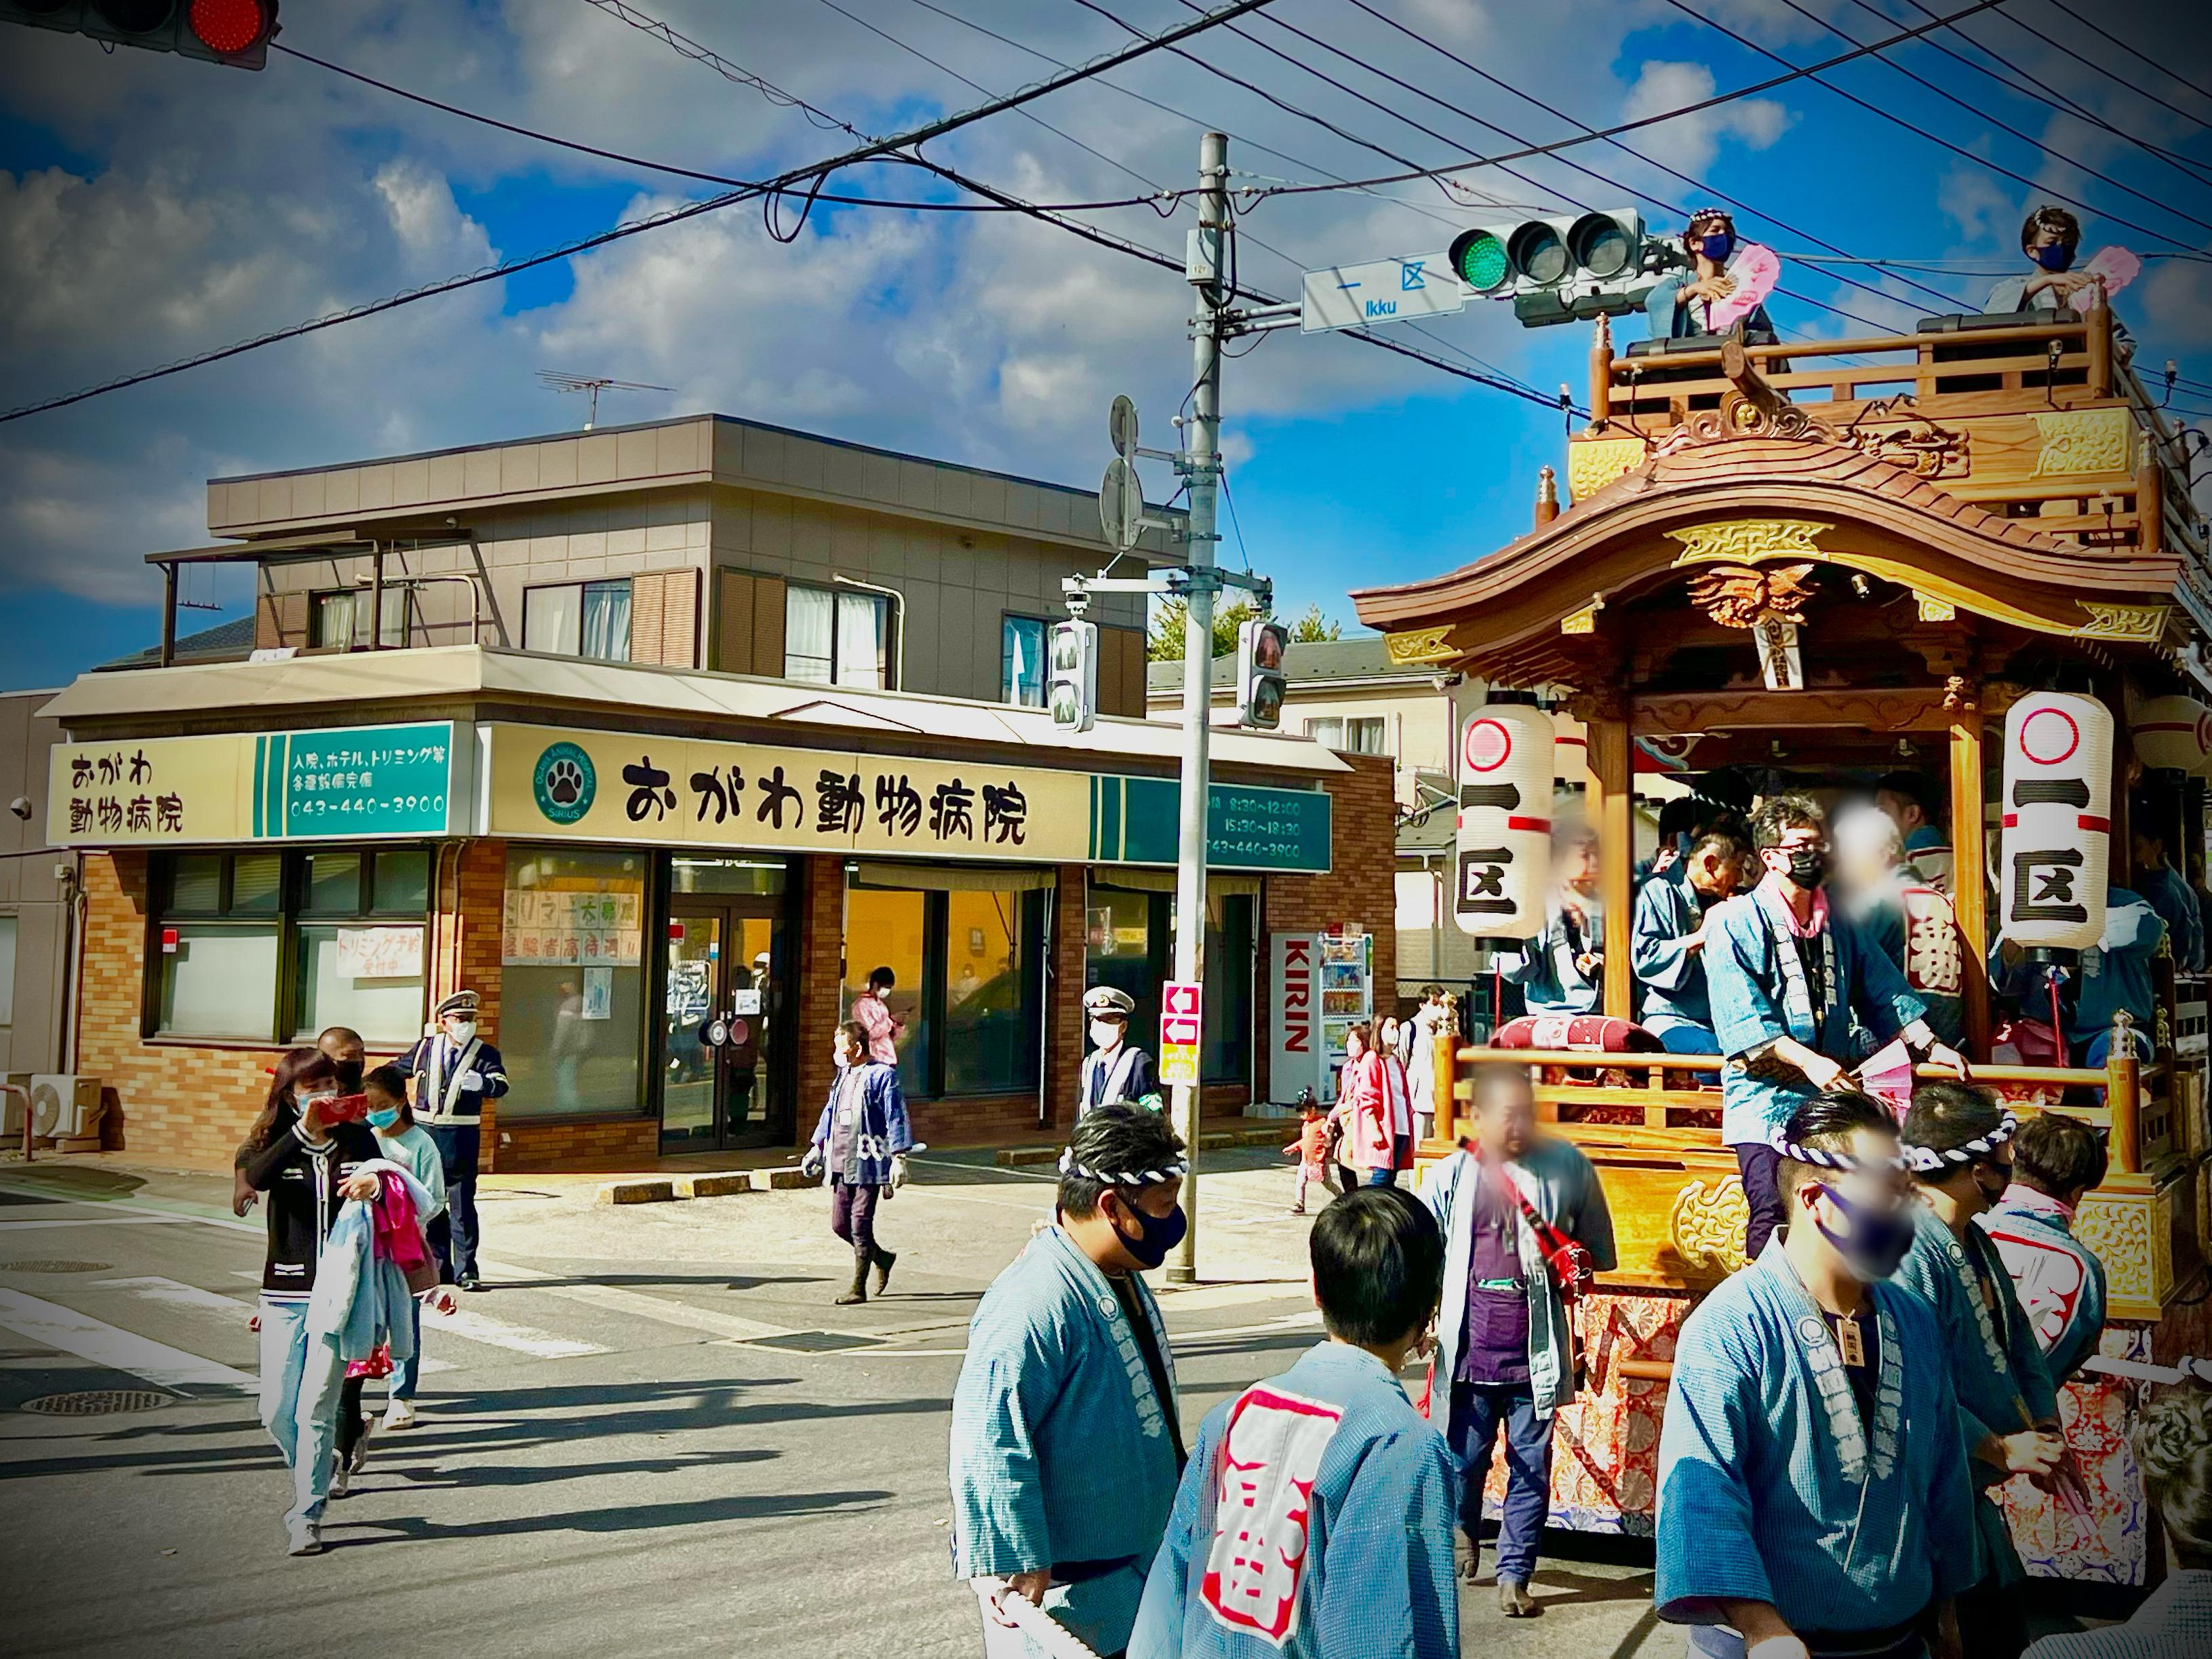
(1260, 644)
(1562, 267)
(1071, 692)
(232, 32)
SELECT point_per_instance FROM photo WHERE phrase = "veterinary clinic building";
(661, 738)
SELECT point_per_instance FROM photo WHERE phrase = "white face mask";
(1106, 1032)
(461, 1030)
(315, 1103)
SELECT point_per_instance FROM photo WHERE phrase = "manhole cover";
(815, 1341)
(48, 1265)
(97, 1402)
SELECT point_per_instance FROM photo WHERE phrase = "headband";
(1925, 1160)
(1174, 1171)
(1846, 1161)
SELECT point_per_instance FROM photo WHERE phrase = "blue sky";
(151, 208)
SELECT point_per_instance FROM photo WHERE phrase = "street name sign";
(1381, 291)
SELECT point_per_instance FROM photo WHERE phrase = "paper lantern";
(2057, 820)
(1503, 865)
(2175, 732)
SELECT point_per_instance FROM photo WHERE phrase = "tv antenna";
(592, 385)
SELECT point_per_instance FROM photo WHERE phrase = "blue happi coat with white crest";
(1771, 1488)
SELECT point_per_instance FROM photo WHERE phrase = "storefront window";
(1129, 943)
(968, 961)
(274, 947)
(572, 1003)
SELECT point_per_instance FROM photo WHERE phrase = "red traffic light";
(230, 26)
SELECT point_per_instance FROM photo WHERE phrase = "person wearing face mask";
(455, 1073)
(1814, 1500)
(1562, 969)
(1115, 1068)
(2050, 237)
(861, 1143)
(1957, 1144)
(342, 1046)
(1728, 283)
(1912, 922)
(2057, 1161)
(1066, 1438)
(1787, 973)
(1667, 941)
(402, 1140)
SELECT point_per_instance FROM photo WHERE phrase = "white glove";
(811, 1164)
(472, 1079)
(1777, 1647)
(899, 1172)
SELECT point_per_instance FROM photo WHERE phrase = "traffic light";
(1260, 644)
(1073, 692)
(1560, 269)
(234, 32)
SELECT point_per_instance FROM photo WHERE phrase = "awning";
(1220, 885)
(953, 877)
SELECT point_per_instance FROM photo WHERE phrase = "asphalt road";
(654, 1435)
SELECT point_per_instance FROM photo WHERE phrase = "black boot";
(886, 1261)
(859, 1291)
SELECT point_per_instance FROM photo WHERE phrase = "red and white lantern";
(2174, 733)
(1502, 869)
(2057, 820)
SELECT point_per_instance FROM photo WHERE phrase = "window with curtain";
(863, 640)
(1359, 735)
(1022, 661)
(339, 621)
(809, 634)
(270, 947)
(579, 619)
(836, 636)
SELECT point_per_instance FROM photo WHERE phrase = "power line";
(1898, 120)
(816, 171)
(2202, 92)
(2095, 68)
(2003, 126)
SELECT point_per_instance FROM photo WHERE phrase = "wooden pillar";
(1969, 887)
(2100, 351)
(169, 615)
(1600, 374)
(1445, 1049)
(1613, 812)
(2124, 1097)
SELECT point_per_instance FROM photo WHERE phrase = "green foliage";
(1163, 642)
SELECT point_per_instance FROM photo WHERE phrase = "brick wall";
(472, 901)
(1064, 1022)
(555, 1144)
(821, 981)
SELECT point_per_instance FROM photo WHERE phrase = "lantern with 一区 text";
(2174, 733)
(1502, 865)
(2057, 820)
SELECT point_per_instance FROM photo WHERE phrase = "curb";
(721, 1184)
(1264, 1133)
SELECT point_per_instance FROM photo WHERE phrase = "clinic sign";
(349, 783)
(677, 792)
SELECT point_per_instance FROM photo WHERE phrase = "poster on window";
(600, 992)
(543, 927)
(379, 953)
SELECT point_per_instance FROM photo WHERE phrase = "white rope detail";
(1825, 1160)
(1123, 1178)
(1926, 1160)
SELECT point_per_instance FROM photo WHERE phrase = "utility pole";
(1201, 466)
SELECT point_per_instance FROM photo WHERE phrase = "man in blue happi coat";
(1316, 1519)
(2169, 895)
(1506, 1355)
(1957, 1144)
(1786, 974)
(1562, 969)
(2060, 1283)
(1067, 1443)
(1813, 1497)
(1667, 940)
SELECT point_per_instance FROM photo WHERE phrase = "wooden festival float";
(1820, 563)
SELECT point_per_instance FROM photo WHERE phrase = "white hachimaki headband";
(1926, 1160)
(1846, 1161)
(1174, 1171)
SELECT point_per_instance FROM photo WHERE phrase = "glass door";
(721, 1087)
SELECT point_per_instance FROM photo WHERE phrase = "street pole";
(1201, 469)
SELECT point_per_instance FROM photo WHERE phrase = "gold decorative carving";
(1707, 1225)
(2077, 441)
(1583, 621)
(1739, 596)
(2123, 621)
(1592, 464)
(1934, 610)
(1747, 541)
(1419, 645)
(1917, 443)
(2117, 1228)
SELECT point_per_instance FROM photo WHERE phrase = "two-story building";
(660, 738)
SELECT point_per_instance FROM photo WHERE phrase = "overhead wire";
(2091, 63)
(2163, 68)
(867, 151)
(1895, 119)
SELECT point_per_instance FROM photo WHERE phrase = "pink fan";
(1887, 1076)
(2117, 266)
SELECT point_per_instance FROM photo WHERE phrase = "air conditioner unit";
(11, 1108)
(65, 1106)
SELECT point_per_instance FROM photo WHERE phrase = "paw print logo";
(564, 783)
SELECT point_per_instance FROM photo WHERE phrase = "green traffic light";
(1478, 260)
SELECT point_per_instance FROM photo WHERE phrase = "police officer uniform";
(454, 1074)
(1123, 1072)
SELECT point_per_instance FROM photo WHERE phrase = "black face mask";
(1808, 868)
(1992, 1190)
(350, 1075)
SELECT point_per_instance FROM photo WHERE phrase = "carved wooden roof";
(1792, 488)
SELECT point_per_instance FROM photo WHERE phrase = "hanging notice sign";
(1180, 1024)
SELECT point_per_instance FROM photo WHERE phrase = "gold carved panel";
(1746, 541)
(2123, 621)
(1707, 1225)
(1419, 645)
(2122, 1230)
(1593, 465)
(2077, 441)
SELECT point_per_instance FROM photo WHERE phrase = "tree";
(1170, 617)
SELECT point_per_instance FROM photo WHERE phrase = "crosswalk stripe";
(92, 1221)
(232, 1310)
(87, 1338)
(714, 1320)
(498, 1334)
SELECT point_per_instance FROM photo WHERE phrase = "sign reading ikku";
(2057, 820)
(1504, 845)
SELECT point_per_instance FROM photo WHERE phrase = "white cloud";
(1691, 143)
